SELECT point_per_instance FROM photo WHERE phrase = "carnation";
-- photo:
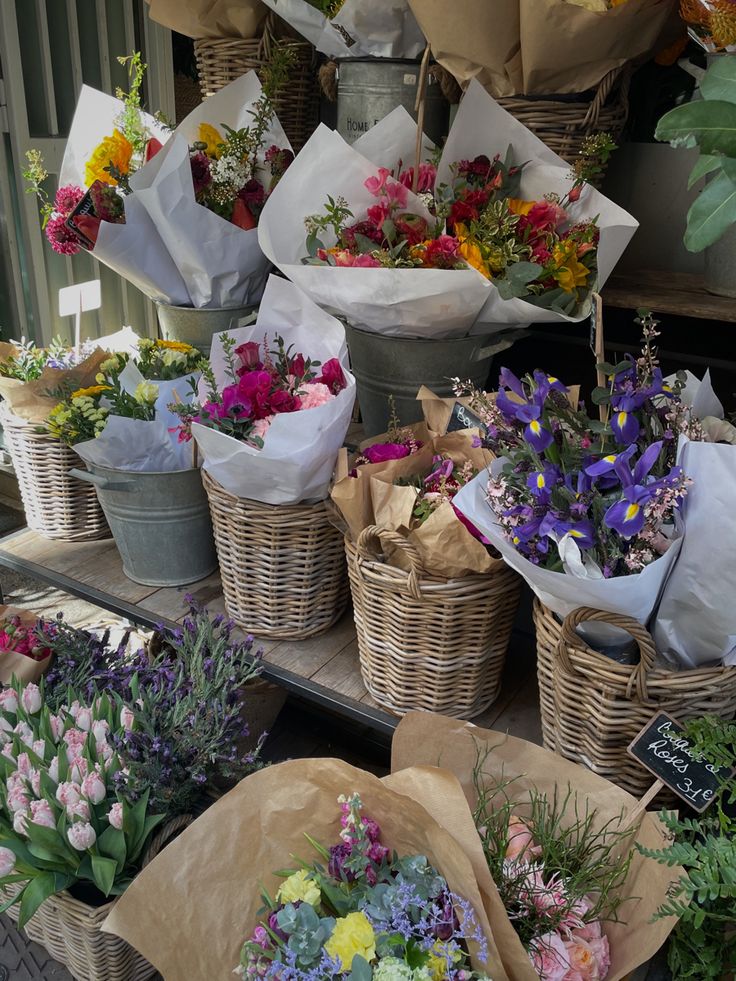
(62, 239)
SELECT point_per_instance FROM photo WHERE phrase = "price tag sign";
(661, 747)
(462, 418)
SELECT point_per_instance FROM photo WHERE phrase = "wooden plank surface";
(682, 294)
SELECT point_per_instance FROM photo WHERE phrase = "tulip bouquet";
(66, 816)
(363, 911)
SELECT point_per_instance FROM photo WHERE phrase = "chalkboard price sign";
(662, 748)
(462, 418)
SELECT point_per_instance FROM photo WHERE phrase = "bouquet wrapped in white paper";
(276, 408)
(139, 445)
(354, 28)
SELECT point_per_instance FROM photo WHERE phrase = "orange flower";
(471, 252)
(519, 207)
(570, 273)
(212, 140)
(115, 150)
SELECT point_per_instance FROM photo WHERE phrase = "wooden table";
(324, 670)
(677, 293)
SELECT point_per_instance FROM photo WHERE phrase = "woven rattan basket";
(549, 631)
(563, 123)
(426, 643)
(71, 932)
(222, 60)
(56, 504)
(601, 705)
(282, 566)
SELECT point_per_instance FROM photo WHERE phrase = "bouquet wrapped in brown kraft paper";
(32, 401)
(570, 895)
(412, 495)
(535, 47)
(311, 869)
(209, 18)
(23, 654)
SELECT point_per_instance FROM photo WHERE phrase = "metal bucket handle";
(505, 342)
(102, 482)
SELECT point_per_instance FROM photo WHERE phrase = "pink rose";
(375, 185)
(7, 862)
(8, 700)
(549, 957)
(115, 816)
(80, 809)
(42, 814)
(81, 836)
(31, 698)
(249, 354)
(68, 794)
(583, 960)
(18, 801)
(521, 840)
(315, 394)
(20, 819)
(93, 788)
(602, 954)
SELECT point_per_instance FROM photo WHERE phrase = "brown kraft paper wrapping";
(190, 910)
(446, 547)
(210, 18)
(423, 739)
(31, 400)
(25, 669)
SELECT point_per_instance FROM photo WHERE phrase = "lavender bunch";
(187, 720)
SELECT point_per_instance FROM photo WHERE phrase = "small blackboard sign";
(662, 748)
(463, 418)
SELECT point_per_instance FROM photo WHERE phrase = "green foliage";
(710, 125)
(130, 120)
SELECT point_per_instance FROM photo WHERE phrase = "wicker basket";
(282, 566)
(56, 505)
(222, 60)
(563, 124)
(427, 643)
(601, 705)
(71, 931)
(549, 631)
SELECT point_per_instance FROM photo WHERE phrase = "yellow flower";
(519, 207)
(299, 887)
(146, 393)
(90, 392)
(211, 138)
(353, 934)
(570, 272)
(437, 965)
(175, 346)
(115, 149)
(470, 251)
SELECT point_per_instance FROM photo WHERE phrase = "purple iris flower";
(507, 379)
(608, 463)
(549, 383)
(624, 424)
(538, 437)
(541, 482)
(627, 515)
(582, 532)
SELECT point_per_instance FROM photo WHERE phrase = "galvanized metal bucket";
(370, 88)
(387, 366)
(160, 522)
(197, 326)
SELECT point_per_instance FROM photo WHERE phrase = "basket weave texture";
(563, 124)
(57, 505)
(601, 705)
(427, 643)
(282, 566)
(71, 931)
(222, 60)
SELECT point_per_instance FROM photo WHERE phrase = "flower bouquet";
(354, 28)
(25, 362)
(24, 654)
(552, 845)
(366, 893)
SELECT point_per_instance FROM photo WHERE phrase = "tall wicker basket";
(57, 505)
(222, 60)
(601, 705)
(71, 931)
(282, 566)
(564, 122)
(549, 631)
(426, 643)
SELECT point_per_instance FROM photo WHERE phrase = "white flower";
(7, 862)
(146, 393)
(115, 816)
(8, 700)
(19, 822)
(171, 358)
(31, 698)
(126, 718)
(81, 836)
(93, 788)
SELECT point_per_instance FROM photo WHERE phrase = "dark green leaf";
(36, 892)
(719, 82)
(103, 873)
(112, 844)
(364, 243)
(704, 165)
(600, 395)
(710, 125)
(711, 214)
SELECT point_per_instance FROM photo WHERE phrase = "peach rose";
(521, 840)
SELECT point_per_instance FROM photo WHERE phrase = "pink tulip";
(36, 782)
(84, 719)
(54, 769)
(8, 700)
(57, 726)
(81, 836)
(80, 810)
(20, 819)
(100, 729)
(93, 788)
(15, 782)
(115, 816)
(7, 862)
(126, 718)
(24, 731)
(42, 814)
(31, 698)
(24, 764)
(17, 801)
(78, 769)
(68, 794)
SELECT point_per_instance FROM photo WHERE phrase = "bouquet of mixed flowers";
(24, 652)
(83, 414)
(276, 403)
(390, 894)
(66, 814)
(25, 362)
(156, 360)
(584, 508)
(354, 28)
(567, 895)
(398, 442)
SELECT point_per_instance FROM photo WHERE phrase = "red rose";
(282, 401)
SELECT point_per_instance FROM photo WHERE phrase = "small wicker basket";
(71, 931)
(282, 566)
(57, 505)
(427, 643)
(563, 122)
(601, 705)
(222, 60)
(549, 631)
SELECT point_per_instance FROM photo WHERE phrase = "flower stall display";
(354, 28)
(24, 653)
(497, 243)
(553, 847)
(395, 892)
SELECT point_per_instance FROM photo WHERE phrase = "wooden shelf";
(681, 294)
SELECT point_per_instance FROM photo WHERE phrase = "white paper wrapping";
(300, 448)
(133, 444)
(378, 28)
(481, 126)
(169, 390)
(392, 142)
(634, 596)
(414, 302)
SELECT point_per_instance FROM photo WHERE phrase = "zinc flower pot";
(197, 325)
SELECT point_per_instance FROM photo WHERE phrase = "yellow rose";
(115, 149)
(353, 934)
(211, 138)
(299, 887)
